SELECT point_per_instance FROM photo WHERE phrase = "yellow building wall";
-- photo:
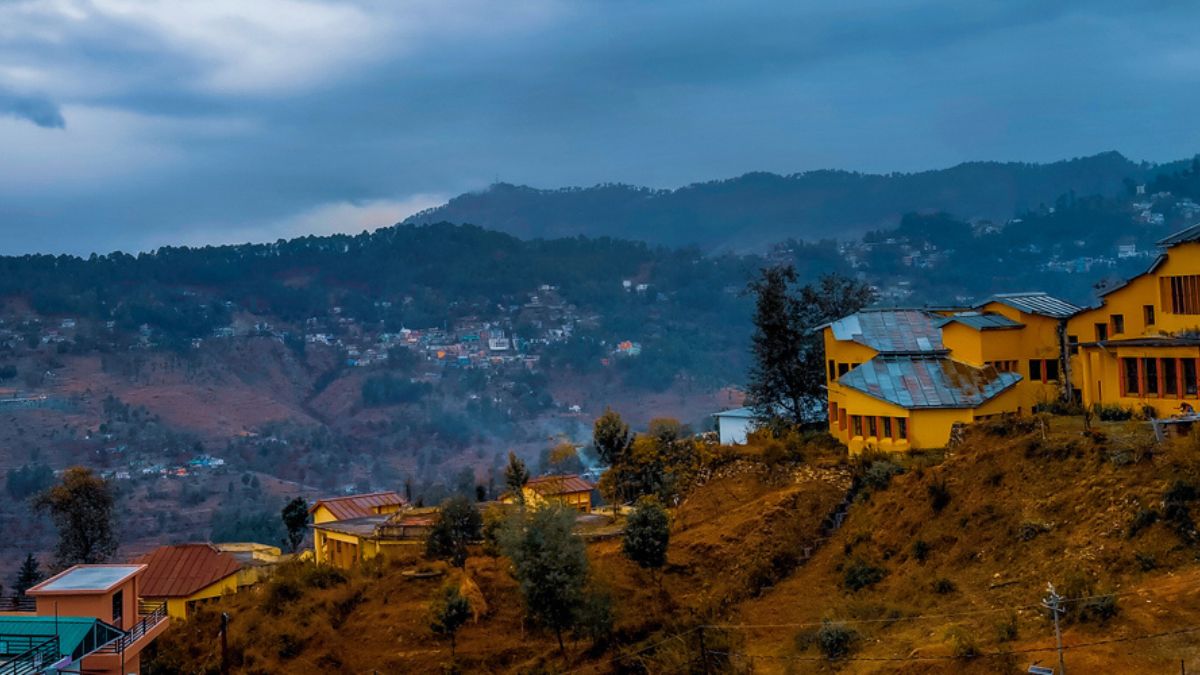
(323, 515)
(358, 549)
(177, 608)
(844, 352)
(1037, 339)
(927, 427)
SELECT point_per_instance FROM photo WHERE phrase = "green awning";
(77, 636)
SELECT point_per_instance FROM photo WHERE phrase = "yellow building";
(346, 543)
(570, 490)
(893, 385)
(184, 575)
(355, 506)
(1140, 346)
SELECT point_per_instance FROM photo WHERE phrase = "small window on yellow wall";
(901, 428)
(872, 427)
(856, 422)
(887, 427)
(1101, 332)
(1148, 314)
(1118, 324)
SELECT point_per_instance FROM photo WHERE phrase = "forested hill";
(754, 210)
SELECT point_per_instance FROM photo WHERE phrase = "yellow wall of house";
(577, 500)
(177, 608)
(355, 549)
(927, 427)
(1036, 340)
(844, 352)
(323, 515)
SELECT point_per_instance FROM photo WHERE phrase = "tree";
(515, 477)
(81, 507)
(550, 565)
(459, 523)
(295, 519)
(28, 575)
(647, 534)
(448, 612)
(786, 380)
(610, 437)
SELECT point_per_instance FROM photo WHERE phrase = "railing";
(152, 613)
(37, 653)
(18, 603)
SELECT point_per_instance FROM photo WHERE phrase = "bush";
(878, 475)
(835, 639)
(1141, 520)
(280, 593)
(1029, 530)
(920, 550)
(944, 586)
(963, 644)
(1006, 628)
(1146, 561)
(322, 576)
(939, 496)
(859, 575)
(1112, 412)
(1099, 609)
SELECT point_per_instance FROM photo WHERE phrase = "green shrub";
(835, 639)
(859, 575)
(878, 475)
(1112, 412)
(1141, 520)
(944, 586)
(920, 550)
(280, 593)
(1146, 561)
(939, 496)
(322, 576)
(288, 646)
(963, 644)
(1099, 609)
(1006, 628)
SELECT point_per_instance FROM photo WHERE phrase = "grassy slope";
(1022, 511)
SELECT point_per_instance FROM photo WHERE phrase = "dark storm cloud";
(41, 111)
(228, 121)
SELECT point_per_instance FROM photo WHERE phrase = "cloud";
(40, 111)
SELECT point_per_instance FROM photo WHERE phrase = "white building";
(734, 425)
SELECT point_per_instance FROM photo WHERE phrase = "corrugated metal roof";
(1036, 302)
(181, 570)
(73, 632)
(927, 382)
(357, 506)
(979, 321)
(891, 330)
(558, 485)
(1185, 235)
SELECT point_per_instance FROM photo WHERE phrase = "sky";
(132, 124)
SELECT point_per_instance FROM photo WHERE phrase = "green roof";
(77, 636)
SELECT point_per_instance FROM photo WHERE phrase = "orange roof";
(181, 570)
(357, 506)
(548, 486)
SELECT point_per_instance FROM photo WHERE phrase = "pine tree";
(295, 519)
(550, 565)
(459, 523)
(448, 612)
(647, 535)
(81, 507)
(515, 477)
(610, 437)
(28, 575)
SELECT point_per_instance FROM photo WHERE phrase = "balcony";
(27, 654)
(153, 615)
(17, 603)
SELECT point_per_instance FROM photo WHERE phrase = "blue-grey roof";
(736, 412)
(84, 578)
(979, 321)
(1183, 236)
(891, 330)
(927, 381)
(1036, 302)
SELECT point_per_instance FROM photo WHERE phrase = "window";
(1148, 314)
(1073, 344)
(833, 412)
(887, 427)
(1118, 323)
(1035, 370)
(902, 427)
(842, 419)
(1130, 376)
(1170, 377)
(1150, 376)
(832, 371)
(856, 421)
(1051, 370)
(1189, 376)
(118, 609)
(1101, 332)
(873, 427)
(843, 368)
(1181, 294)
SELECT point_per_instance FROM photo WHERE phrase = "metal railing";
(152, 613)
(36, 653)
(18, 603)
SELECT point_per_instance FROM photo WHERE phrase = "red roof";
(548, 486)
(181, 570)
(357, 506)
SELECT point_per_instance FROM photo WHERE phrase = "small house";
(185, 575)
(568, 489)
(355, 506)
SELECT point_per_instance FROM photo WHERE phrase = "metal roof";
(86, 579)
(1183, 236)
(979, 321)
(357, 506)
(181, 570)
(740, 413)
(1036, 302)
(927, 382)
(891, 330)
(78, 636)
(558, 485)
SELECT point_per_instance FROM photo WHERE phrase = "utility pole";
(1053, 602)
(224, 643)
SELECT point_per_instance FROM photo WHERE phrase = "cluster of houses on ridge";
(901, 379)
(101, 618)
